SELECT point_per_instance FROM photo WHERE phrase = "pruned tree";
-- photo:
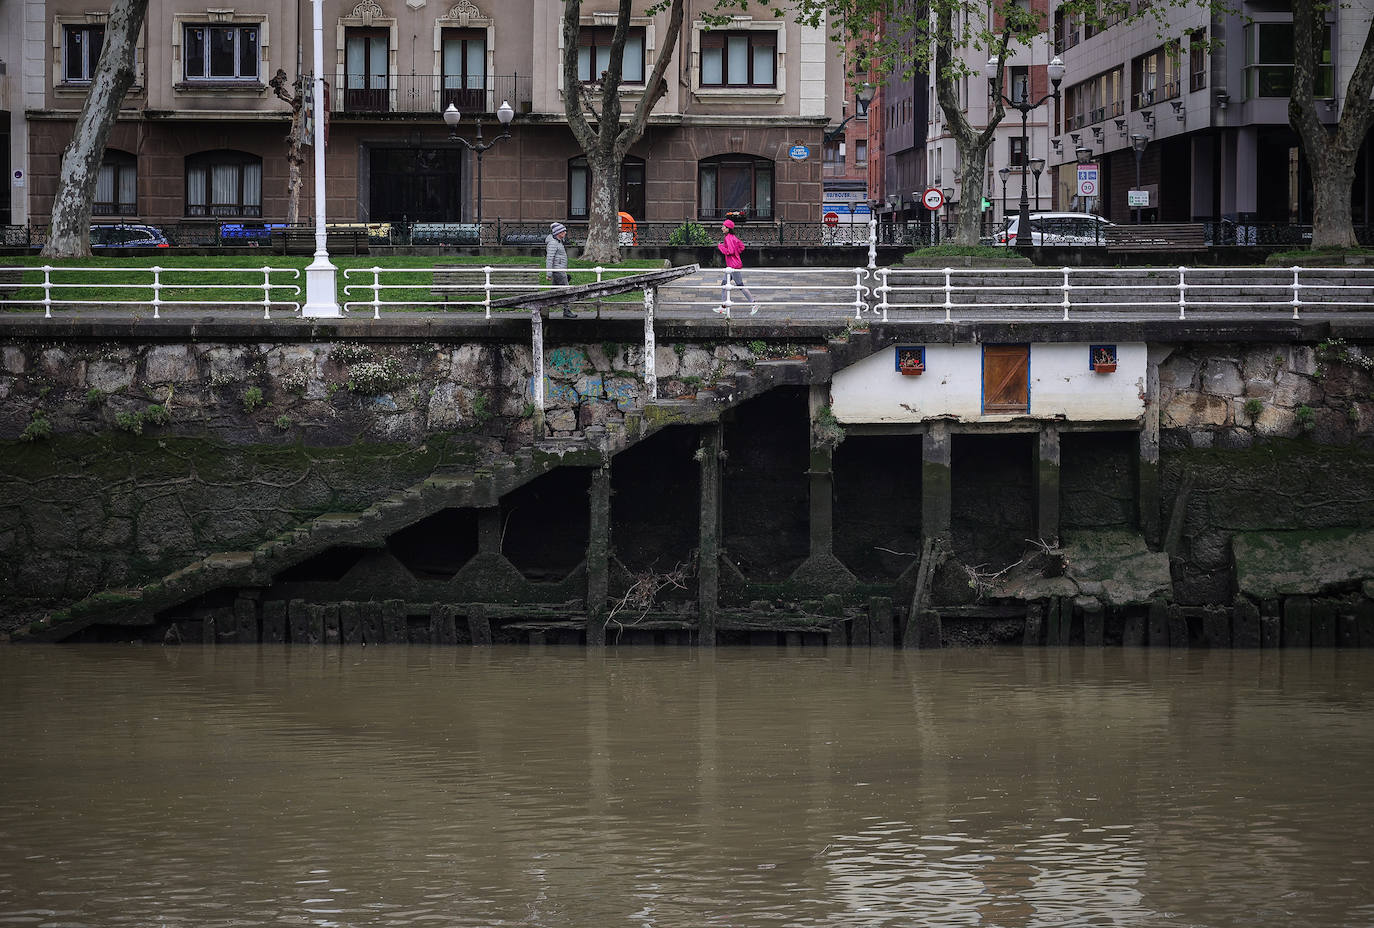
(295, 149)
(927, 37)
(1331, 152)
(597, 122)
(69, 233)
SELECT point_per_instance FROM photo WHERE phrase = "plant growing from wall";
(375, 377)
(95, 397)
(1307, 418)
(283, 422)
(481, 409)
(1253, 407)
(39, 427)
(252, 399)
(826, 431)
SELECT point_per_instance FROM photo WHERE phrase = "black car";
(127, 236)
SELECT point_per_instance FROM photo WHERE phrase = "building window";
(631, 188)
(1016, 155)
(224, 183)
(735, 184)
(365, 74)
(81, 52)
(1269, 61)
(465, 69)
(116, 186)
(1020, 84)
(1197, 60)
(739, 59)
(1155, 76)
(221, 53)
(594, 54)
(860, 152)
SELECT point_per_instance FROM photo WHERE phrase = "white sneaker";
(753, 308)
(723, 310)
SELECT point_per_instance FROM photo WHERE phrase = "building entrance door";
(415, 185)
(1006, 378)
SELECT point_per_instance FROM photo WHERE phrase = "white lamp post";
(452, 117)
(321, 293)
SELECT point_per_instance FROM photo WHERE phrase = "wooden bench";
(1157, 236)
(301, 241)
(458, 280)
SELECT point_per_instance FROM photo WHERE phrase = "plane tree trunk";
(69, 235)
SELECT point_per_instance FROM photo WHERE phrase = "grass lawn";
(236, 281)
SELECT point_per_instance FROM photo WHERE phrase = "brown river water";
(247, 786)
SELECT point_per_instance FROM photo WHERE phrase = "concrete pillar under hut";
(1271, 624)
(298, 618)
(1047, 485)
(443, 629)
(1035, 624)
(350, 623)
(708, 536)
(1134, 633)
(274, 621)
(1347, 630)
(936, 483)
(1364, 621)
(1178, 627)
(479, 624)
(598, 554)
(1094, 623)
(1323, 624)
(246, 620)
(1297, 622)
(394, 621)
(1245, 624)
(373, 630)
(1216, 627)
(332, 633)
(880, 621)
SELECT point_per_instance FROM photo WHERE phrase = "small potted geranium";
(911, 361)
(1103, 359)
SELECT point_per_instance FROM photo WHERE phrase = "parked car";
(127, 236)
(1057, 229)
(248, 233)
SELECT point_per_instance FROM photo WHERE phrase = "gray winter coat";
(555, 260)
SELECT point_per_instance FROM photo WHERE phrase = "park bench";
(523, 238)
(300, 240)
(1157, 236)
(460, 280)
(445, 233)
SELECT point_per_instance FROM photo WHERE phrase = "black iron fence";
(358, 237)
(432, 93)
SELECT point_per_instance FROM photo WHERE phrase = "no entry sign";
(933, 199)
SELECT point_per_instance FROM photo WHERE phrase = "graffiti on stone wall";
(592, 388)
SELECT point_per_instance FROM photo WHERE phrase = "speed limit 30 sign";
(1087, 180)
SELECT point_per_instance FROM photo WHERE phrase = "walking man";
(556, 261)
(732, 248)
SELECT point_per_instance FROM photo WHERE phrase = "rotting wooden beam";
(557, 296)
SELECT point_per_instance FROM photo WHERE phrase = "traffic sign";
(1088, 180)
(933, 198)
(1138, 198)
(832, 219)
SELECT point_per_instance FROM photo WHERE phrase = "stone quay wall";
(123, 459)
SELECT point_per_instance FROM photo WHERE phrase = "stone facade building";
(202, 138)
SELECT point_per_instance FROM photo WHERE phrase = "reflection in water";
(389, 787)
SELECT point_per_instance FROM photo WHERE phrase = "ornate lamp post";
(452, 117)
(1037, 165)
(1055, 70)
(1004, 173)
(1138, 142)
(862, 97)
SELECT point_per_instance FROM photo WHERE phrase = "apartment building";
(1204, 100)
(201, 136)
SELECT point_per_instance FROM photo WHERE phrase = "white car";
(1058, 229)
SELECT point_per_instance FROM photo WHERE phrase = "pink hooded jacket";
(732, 248)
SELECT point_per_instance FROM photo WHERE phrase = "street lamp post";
(452, 117)
(862, 97)
(1037, 165)
(1055, 70)
(1138, 142)
(321, 293)
(1004, 173)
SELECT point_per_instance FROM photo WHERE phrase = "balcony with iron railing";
(431, 93)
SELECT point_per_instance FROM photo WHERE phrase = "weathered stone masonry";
(126, 458)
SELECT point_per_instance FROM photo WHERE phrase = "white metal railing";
(773, 289)
(1015, 292)
(459, 286)
(70, 286)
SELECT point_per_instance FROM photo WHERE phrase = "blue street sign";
(799, 153)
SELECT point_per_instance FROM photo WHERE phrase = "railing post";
(266, 293)
(859, 292)
(650, 375)
(486, 290)
(729, 289)
(882, 290)
(1297, 296)
(376, 292)
(47, 292)
(598, 270)
(949, 302)
(157, 292)
(1066, 294)
(1182, 291)
(872, 243)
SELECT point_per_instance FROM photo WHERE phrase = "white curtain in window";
(377, 63)
(737, 52)
(711, 65)
(195, 190)
(224, 184)
(355, 62)
(453, 64)
(476, 65)
(105, 184)
(763, 192)
(603, 61)
(128, 186)
(633, 71)
(577, 180)
(708, 188)
(252, 184)
(763, 64)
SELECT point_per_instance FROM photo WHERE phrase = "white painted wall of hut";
(1061, 386)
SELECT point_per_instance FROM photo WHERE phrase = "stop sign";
(832, 219)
